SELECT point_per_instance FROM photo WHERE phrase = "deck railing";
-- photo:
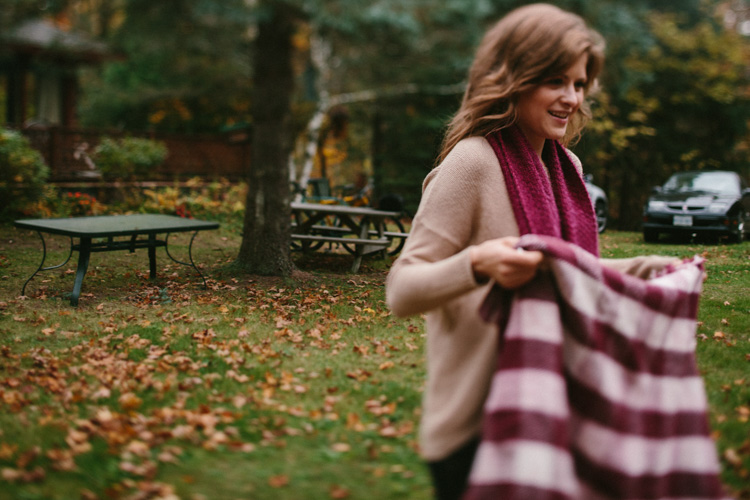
(65, 151)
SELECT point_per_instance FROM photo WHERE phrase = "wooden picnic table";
(90, 232)
(361, 230)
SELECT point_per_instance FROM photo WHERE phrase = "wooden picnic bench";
(360, 230)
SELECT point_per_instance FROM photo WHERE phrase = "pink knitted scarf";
(553, 205)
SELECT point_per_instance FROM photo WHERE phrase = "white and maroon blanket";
(597, 394)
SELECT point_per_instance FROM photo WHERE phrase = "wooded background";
(674, 94)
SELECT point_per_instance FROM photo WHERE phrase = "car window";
(711, 182)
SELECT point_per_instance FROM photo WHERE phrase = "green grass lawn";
(259, 388)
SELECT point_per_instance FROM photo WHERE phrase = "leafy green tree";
(376, 41)
(400, 75)
(185, 67)
(700, 73)
(676, 100)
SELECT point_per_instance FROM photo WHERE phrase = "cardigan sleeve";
(435, 265)
(643, 266)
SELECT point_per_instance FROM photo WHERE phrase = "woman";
(525, 97)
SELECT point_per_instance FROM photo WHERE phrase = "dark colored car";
(701, 202)
(599, 200)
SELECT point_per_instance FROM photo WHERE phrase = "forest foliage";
(674, 94)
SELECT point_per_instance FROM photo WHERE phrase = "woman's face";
(545, 111)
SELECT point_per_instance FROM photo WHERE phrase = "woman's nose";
(570, 94)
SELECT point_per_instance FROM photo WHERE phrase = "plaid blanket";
(596, 394)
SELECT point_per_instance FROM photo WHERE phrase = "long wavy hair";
(522, 50)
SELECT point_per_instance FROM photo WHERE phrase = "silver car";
(599, 201)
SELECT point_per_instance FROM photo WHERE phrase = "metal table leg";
(44, 257)
(190, 256)
(152, 255)
(84, 253)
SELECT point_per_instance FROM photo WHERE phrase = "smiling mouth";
(556, 114)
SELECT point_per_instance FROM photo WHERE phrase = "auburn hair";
(522, 50)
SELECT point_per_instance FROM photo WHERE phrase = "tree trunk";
(320, 53)
(265, 247)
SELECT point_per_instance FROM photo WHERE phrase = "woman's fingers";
(525, 258)
(500, 260)
(519, 270)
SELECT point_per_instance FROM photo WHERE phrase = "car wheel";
(740, 234)
(601, 215)
(650, 235)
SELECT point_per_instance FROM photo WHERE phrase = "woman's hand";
(499, 260)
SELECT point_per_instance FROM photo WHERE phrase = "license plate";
(683, 220)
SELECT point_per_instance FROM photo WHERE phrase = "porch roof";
(40, 37)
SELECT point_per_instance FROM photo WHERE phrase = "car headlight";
(718, 207)
(657, 205)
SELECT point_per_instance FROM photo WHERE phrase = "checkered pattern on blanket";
(597, 393)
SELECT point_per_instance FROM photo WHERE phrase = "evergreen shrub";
(129, 157)
(23, 173)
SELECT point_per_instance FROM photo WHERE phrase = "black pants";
(451, 474)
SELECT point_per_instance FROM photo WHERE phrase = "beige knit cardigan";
(464, 202)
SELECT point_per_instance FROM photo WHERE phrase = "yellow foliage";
(301, 39)
(157, 117)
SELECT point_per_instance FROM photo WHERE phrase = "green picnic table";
(99, 233)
